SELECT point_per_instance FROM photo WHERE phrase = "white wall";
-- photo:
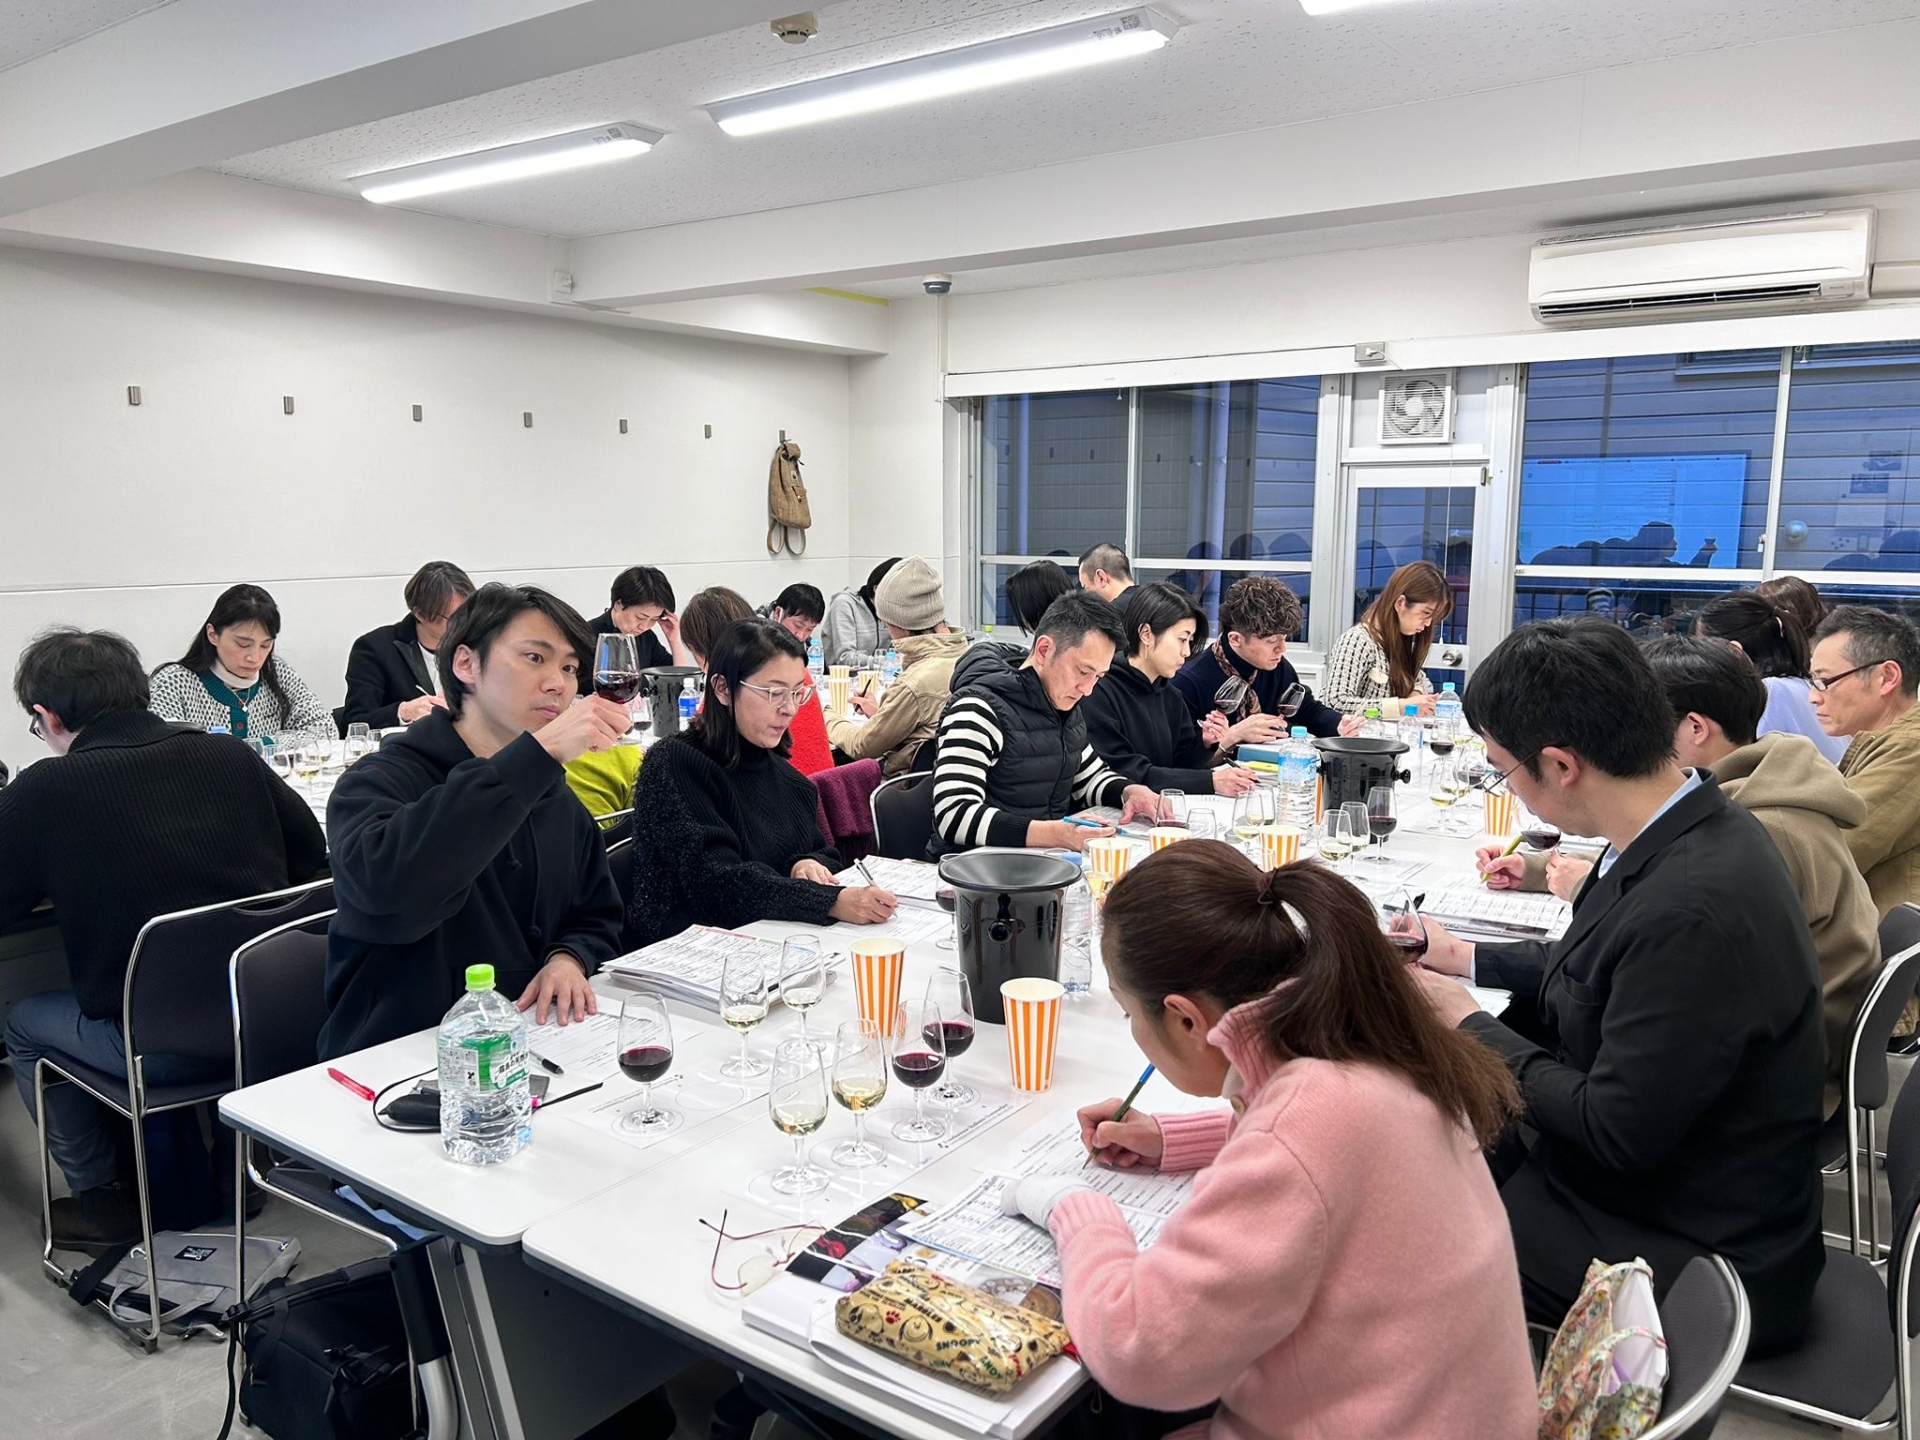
(135, 518)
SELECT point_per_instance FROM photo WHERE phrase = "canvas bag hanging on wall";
(788, 514)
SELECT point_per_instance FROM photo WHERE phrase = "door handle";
(1451, 657)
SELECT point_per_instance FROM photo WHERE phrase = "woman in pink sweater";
(1343, 1266)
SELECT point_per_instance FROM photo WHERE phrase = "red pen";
(352, 1084)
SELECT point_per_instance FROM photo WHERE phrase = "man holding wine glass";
(1235, 687)
(458, 842)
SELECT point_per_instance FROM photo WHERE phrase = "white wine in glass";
(803, 976)
(744, 996)
(859, 1084)
(797, 1105)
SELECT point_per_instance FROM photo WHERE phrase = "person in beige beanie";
(893, 726)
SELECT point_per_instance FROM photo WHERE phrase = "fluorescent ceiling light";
(1334, 7)
(947, 72)
(572, 151)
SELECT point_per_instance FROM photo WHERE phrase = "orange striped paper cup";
(1108, 857)
(839, 672)
(1161, 836)
(838, 689)
(877, 967)
(1279, 845)
(1502, 813)
(1033, 1030)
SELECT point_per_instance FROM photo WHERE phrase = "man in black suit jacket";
(1669, 1046)
(391, 675)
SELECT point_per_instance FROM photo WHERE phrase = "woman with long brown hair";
(1343, 1265)
(1379, 660)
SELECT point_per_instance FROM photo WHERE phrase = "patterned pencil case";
(950, 1330)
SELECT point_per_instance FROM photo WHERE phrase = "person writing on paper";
(724, 829)
(1379, 662)
(1669, 1044)
(1012, 758)
(1135, 721)
(392, 675)
(910, 604)
(1258, 615)
(707, 617)
(458, 843)
(1311, 1296)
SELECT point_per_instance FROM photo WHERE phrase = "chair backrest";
(1867, 1078)
(620, 861)
(613, 820)
(1903, 1188)
(278, 987)
(903, 817)
(178, 997)
(1707, 1323)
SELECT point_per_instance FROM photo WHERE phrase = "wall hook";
(286, 404)
(526, 418)
(133, 394)
(416, 412)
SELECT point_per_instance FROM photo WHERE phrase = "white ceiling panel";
(1237, 65)
(29, 30)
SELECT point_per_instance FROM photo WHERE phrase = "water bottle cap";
(479, 977)
(1413, 710)
(1299, 732)
(1446, 687)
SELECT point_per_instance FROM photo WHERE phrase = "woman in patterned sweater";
(230, 676)
(1378, 661)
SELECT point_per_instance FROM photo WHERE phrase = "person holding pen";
(1314, 1296)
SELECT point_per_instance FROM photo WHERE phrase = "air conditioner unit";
(1773, 262)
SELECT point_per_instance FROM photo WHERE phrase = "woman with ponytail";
(1771, 636)
(1343, 1265)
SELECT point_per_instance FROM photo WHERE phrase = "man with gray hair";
(1105, 570)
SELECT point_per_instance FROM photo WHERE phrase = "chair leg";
(1873, 1190)
(1853, 1181)
(137, 1096)
(240, 1143)
(54, 1272)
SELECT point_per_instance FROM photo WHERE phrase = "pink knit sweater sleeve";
(1190, 1141)
(1239, 1264)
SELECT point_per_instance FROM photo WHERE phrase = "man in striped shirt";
(1013, 757)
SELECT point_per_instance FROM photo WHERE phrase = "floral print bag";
(1607, 1366)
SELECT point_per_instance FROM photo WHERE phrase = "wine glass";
(1400, 922)
(1540, 835)
(359, 740)
(1290, 701)
(1230, 695)
(949, 990)
(860, 1084)
(282, 763)
(1201, 822)
(919, 1058)
(1440, 742)
(1470, 768)
(1172, 809)
(1443, 790)
(1357, 827)
(803, 977)
(744, 996)
(616, 671)
(1336, 841)
(646, 1054)
(308, 761)
(1253, 811)
(797, 1104)
(1382, 816)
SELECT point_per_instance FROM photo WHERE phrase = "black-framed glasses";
(1495, 781)
(33, 727)
(1832, 680)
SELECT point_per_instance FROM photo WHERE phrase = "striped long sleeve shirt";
(970, 744)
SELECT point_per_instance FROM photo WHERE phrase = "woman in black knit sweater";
(724, 828)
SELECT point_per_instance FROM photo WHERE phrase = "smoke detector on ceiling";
(797, 29)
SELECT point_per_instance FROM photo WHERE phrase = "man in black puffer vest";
(1012, 756)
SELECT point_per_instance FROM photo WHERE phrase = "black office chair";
(1858, 1351)
(1706, 1322)
(1868, 1082)
(176, 1002)
(620, 862)
(614, 822)
(902, 810)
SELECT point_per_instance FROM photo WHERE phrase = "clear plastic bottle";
(1446, 709)
(1371, 725)
(1299, 780)
(889, 669)
(1076, 940)
(1412, 733)
(816, 661)
(486, 1102)
(689, 702)
(219, 727)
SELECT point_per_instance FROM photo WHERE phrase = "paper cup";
(1161, 836)
(1279, 845)
(839, 672)
(1107, 859)
(1033, 1030)
(877, 966)
(838, 689)
(1501, 813)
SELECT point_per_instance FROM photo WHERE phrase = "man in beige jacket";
(911, 607)
(1785, 783)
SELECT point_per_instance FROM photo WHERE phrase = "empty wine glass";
(359, 740)
(919, 1058)
(744, 996)
(1201, 822)
(950, 992)
(803, 977)
(1382, 817)
(1400, 922)
(797, 1104)
(860, 1084)
(645, 1055)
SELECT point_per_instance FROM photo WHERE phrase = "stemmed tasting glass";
(1337, 842)
(1400, 922)
(359, 740)
(1381, 818)
(950, 992)
(283, 763)
(1172, 809)
(646, 1054)
(860, 1084)
(919, 1058)
(1290, 701)
(1201, 822)
(1227, 698)
(1440, 742)
(616, 671)
(797, 1103)
(744, 995)
(1470, 768)
(803, 977)
(309, 760)
(1444, 791)
(1540, 835)
(1253, 811)
(1357, 827)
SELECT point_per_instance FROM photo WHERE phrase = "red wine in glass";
(1411, 943)
(619, 686)
(958, 1033)
(646, 1063)
(1440, 746)
(918, 1069)
(1381, 826)
(1541, 837)
(944, 898)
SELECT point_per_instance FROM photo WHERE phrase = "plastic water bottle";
(1076, 940)
(889, 669)
(1412, 732)
(486, 1103)
(1372, 726)
(219, 727)
(1299, 779)
(1446, 709)
(817, 662)
(689, 702)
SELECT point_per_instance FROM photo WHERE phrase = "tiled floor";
(65, 1372)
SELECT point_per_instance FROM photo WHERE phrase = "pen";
(1085, 824)
(865, 874)
(548, 1065)
(556, 1099)
(1121, 1113)
(1512, 846)
(352, 1084)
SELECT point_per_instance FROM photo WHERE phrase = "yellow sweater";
(604, 781)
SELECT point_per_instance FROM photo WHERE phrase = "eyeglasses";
(757, 1269)
(33, 728)
(781, 696)
(1495, 782)
(1832, 680)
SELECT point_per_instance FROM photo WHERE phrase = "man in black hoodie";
(459, 843)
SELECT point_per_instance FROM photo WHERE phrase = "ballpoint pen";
(865, 874)
(350, 1083)
(1121, 1113)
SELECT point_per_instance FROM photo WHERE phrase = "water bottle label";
(487, 1062)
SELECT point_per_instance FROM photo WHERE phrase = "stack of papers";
(1475, 911)
(688, 965)
(913, 882)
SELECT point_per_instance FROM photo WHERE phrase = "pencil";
(1512, 846)
(865, 874)
(1121, 1113)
